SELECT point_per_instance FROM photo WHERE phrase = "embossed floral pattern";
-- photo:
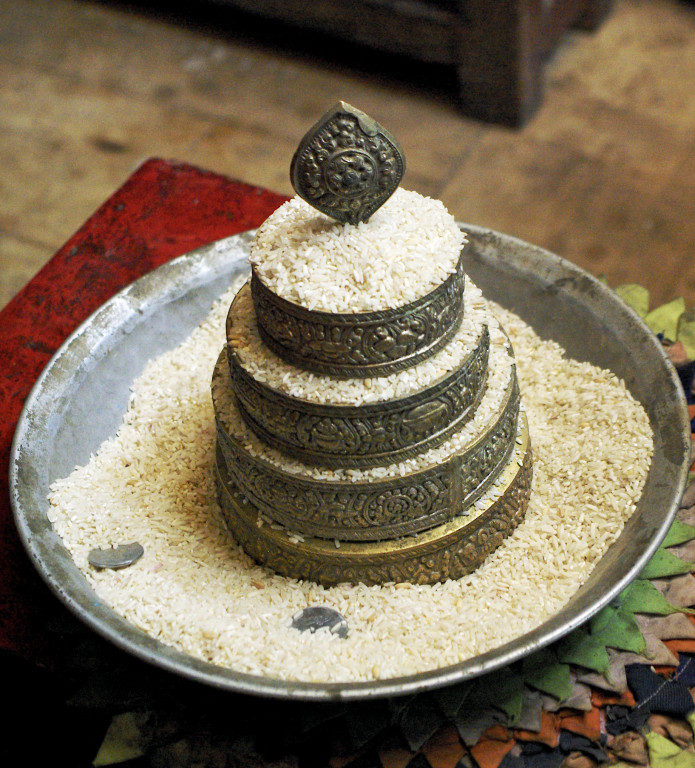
(368, 435)
(374, 344)
(380, 509)
(345, 171)
(448, 557)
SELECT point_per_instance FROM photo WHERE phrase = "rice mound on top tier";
(405, 250)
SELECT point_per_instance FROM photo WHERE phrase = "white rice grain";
(406, 249)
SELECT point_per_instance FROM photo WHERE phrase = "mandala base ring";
(448, 551)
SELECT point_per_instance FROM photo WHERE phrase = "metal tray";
(79, 400)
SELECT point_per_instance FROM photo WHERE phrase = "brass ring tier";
(374, 434)
(363, 344)
(449, 551)
(376, 509)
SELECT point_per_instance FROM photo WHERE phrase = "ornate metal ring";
(363, 344)
(369, 435)
(381, 508)
(449, 551)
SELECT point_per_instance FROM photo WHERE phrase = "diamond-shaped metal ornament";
(347, 166)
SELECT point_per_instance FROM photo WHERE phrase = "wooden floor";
(604, 175)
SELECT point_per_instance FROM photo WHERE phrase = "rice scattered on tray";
(196, 590)
(406, 249)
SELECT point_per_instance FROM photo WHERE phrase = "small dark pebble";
(120, 557)
(318, 616)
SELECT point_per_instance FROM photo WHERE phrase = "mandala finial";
(347, 165)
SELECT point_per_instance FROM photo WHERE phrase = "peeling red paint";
(164, 210)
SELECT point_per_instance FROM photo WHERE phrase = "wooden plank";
(557, 16)
(64, 150)
(594, 14)
(86, 95)
(588, 208)
(604, 174)
(601, 174)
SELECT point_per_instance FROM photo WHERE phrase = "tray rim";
(173, 280)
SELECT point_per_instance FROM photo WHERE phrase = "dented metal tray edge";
(159, 310)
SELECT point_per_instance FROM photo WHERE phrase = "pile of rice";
(405, 250)
(196, 590)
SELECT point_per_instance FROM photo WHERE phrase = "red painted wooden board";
(164, 210)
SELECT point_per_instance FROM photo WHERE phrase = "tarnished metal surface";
(347, 166)
(387, 508)
(449, 551)
(367, 435)
(80, 398)
(118, 557)
(363, 344)
(317, 617)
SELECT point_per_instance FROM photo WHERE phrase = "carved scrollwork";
(402, 504)
(449, 551)
(381, 508)
(367, 435)
(363, 344)
(349, 511)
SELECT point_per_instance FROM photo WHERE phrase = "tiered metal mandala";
(326, 512)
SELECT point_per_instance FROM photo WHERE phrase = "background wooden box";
(497, 46)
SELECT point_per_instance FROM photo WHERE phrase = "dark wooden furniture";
(497, 46)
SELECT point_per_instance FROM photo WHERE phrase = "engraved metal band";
(364, 344)
(368, 435)
(380, 508)
(449, 551)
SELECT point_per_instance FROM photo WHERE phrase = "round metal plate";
(80, 398)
